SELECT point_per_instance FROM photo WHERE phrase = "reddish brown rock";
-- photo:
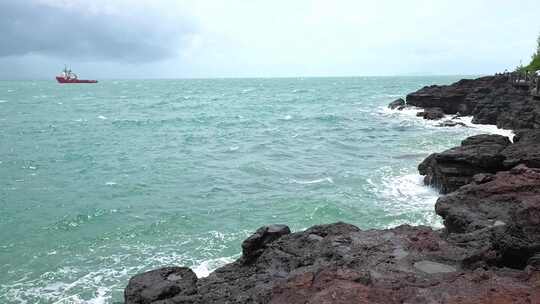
(508, 203)
(340, 263)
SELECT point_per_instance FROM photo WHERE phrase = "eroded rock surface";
(525, 150)
(340, 263)
(507, 203)
(397, 104)
(456, 167)
(490, 100)
(431, 113)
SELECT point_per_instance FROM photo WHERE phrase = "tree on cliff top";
(535, 60)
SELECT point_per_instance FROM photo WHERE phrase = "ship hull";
(64, 80)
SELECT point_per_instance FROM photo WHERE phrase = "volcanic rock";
(159, 284)
(456, 167)
(339, 263)
(524, 150)
(255, 244)
(431, 113)
(451, 123)
(507, 202)
(490, 100)
(397, 104)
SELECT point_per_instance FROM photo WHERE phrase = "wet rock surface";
(431, 113)
(456, 167)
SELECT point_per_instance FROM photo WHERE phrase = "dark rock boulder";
(456, 167)
(431, 113)
(159, 284)
(524, 150)
(451, 123)
(253, 246)
(339, 263)
(508, 202)
(397, 104)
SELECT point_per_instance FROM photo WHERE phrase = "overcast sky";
(255, 38)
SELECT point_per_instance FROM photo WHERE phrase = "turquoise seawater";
(100, 182)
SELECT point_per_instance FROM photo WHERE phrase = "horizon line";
(256, 77)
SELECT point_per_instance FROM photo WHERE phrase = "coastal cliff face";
(490, 100)
(488, 252)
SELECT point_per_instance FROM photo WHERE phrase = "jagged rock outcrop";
(490, 100)
(340, 263)
(397, 104)
(431, 113)
(509, 201)
(451, 123)
(455, 167)
(524, 150)
(164, 283)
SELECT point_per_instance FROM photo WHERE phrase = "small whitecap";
(287, 117)
(3, 101)
(315, 181)
(110, 183)
(234, 148)
(102, 117)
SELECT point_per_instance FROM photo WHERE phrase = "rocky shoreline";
(487, 252)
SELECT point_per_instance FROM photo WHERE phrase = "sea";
(99, 182)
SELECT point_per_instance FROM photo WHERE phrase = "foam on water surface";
(183, 181)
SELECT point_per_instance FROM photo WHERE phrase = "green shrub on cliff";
(535, 60)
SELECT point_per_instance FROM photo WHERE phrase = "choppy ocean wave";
(134, 175)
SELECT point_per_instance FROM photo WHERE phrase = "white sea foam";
(102, 117)
(287, 117)
(110, 183)
(3, 101)
(410, 114)
(405, 194)
(206, 267)
(492, 129)
(233, 148)
(315, 181)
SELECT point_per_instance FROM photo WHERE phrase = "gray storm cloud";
(31, 28)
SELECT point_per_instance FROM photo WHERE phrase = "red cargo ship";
(68, 76)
